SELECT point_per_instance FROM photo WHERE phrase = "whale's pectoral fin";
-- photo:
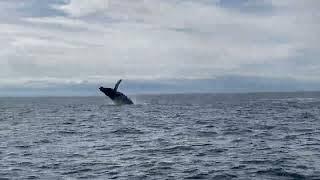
(117, 85)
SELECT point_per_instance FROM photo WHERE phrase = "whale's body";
(117, 97)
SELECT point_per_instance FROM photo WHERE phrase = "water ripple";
(163, 137)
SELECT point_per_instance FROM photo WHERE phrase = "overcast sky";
(65, 42)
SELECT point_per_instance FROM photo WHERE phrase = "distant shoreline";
(178, 94)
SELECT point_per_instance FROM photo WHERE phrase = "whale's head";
(108, 92)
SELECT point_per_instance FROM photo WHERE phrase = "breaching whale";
(117, 97)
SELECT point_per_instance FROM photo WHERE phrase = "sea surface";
(183, 136)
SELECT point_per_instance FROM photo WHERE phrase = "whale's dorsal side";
(117, 85)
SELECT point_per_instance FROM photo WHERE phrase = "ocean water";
(186, 136)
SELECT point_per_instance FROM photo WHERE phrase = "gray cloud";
(103, 40)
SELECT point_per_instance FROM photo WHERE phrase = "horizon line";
(168, 93)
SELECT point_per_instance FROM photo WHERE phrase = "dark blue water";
(248, 136)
